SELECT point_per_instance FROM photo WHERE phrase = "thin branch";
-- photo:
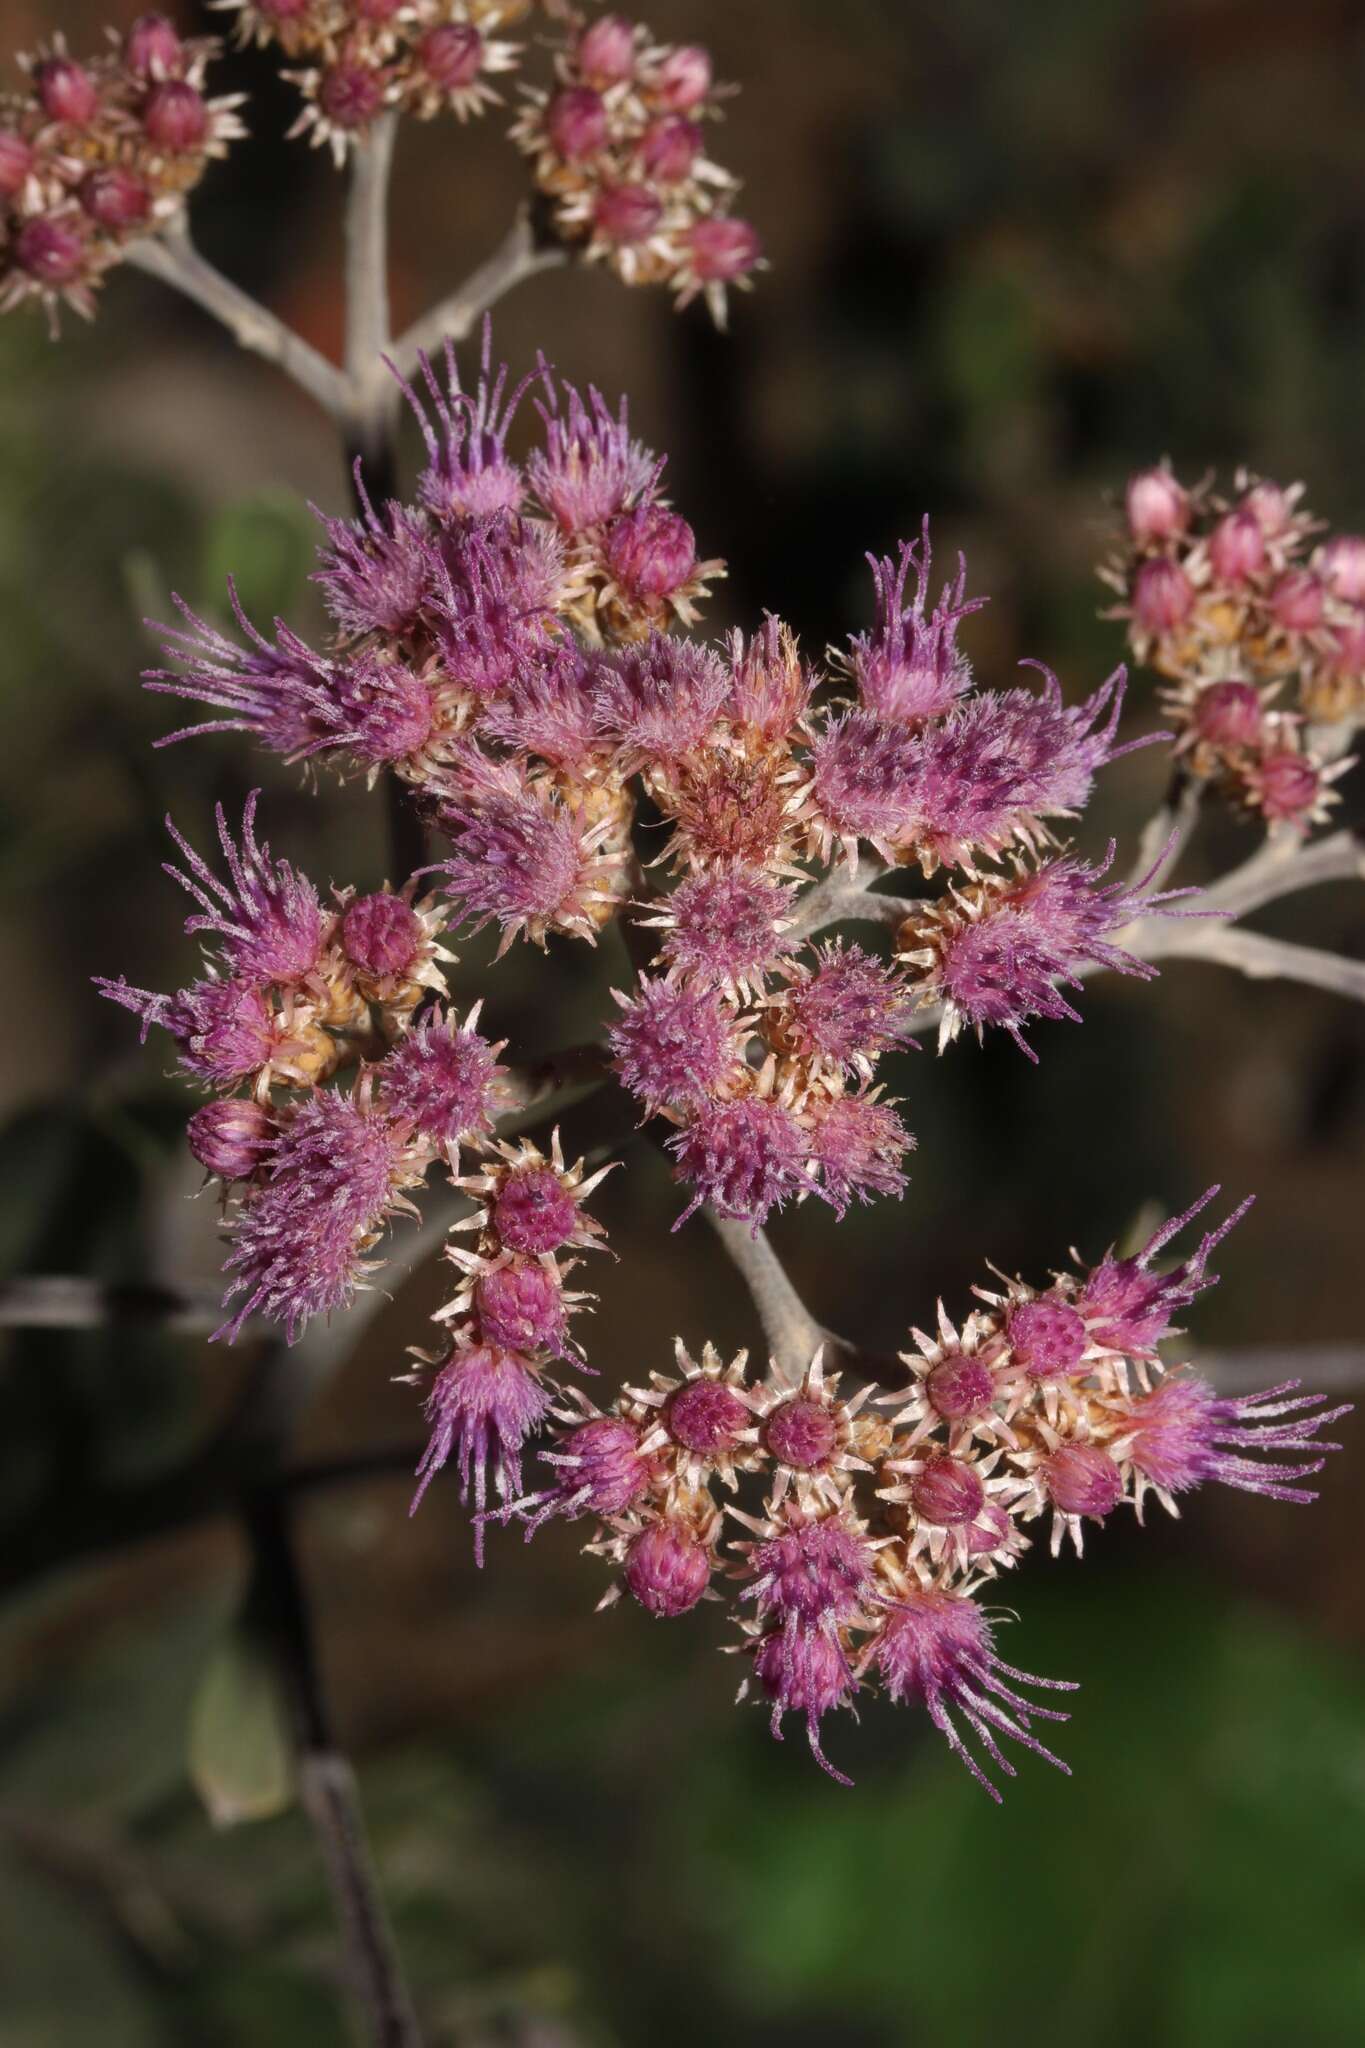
(1167, 831)
(278, 1606)
(1284, 866)
(173, 258)
(1255, 955)
(374, 393)
(793, 1335)
(518, 256)
(838, 899)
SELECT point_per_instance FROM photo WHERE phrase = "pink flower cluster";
(99, 152)
(1258, 624)
(619, 149)
(883, 1518)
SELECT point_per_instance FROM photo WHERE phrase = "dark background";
(1017, 250)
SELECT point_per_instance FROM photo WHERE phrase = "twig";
(1255, 955)
(1166, 832)
(793, 1335)
(518, 256)
(1284, 866)
(278, 1606)
(373, 392)
(838, 899)
(172, 257)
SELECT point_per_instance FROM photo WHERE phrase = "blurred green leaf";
(265, 544)
(240, 1754)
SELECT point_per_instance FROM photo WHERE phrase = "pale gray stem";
(516, 258)
(1284, 866)
(173, 258)
(838, 899)
(793, 1335)
(1253, 954)
(1166, 833)
(374, 394)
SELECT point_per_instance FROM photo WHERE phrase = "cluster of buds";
(98, 153)
(882, 1517)
(618, 147)
(1257, 623)
(505, 646)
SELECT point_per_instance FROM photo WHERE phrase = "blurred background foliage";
(1016, 252)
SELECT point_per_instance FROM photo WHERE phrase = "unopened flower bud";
(1237, 547)
(722, 249)
(1082, 1479)
(959, 1388)
(381, 935)
(683, 79)
(175, 116)
(1046, 1337)
(947, 1493)
(534, 1212)
(16, 162)
(1296, 602)
(667, 1567)
(1162, 597)
(151, 48)
(576, 122)
(800, 1433)
(627, 214)
(606, 50)
(705, 1416)
(451, 55)
(1270, 506)
(1287, 785)
(1157, 506)
(231, 1138)
(66, 91)
(351, 96)
(669, 147)
(989, 1531)
(49, 250)
(651, 551)
(114, 197)
(1228, 715)
(521, 1307)
(1342, 567)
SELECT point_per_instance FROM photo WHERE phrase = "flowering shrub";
(515, 649)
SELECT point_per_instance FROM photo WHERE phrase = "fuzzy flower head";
(483, 1405)
(770, 687)
(599, 1469)
(441, 1080)
(841, 1011)
(1128, 1308)
(745, 1158)
(807, 1672)
(469, 474)
(857, 1144)
(375, 573)
(910, 668)
(673, 1043)
(1183, 1434)
(658, 700)
(266, 919)
(590, 468)
(280, 691)
(725, 925)
(864, 785)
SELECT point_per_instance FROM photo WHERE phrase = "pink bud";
(381, 935)
(16, 161)
(650, 552)
(520, 1307)
(800, 1433)
(1162, 597)
(989, 1531)
(1158, 508)
(66, 91)
(1296, 602)
(669, 147)
(959, 1389)
(452, 55)
(946, 1493)
(376, 11)
(1288, 785)
(1046, 1338)
(1270, 507)
(627, 214)
(534, 1212)
(1237, 547)
(1081, 1479)
(722, 249)
(683, 79)
(1342, 566)
(1228, 715)
(231, 1138)
(603, 1456)
(705, 1416)
(115, 198)
(606, 50)
(151, 48)
(667, 1569)
(175, 116)
(576, 122)
(351, 95)
(49, 250)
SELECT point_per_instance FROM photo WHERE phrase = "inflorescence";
(101, 153)
(509, 646)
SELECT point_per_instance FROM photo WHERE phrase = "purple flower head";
(650, 553)
(1184, 1434)
(520, 1307)
(1047, 1337)
(385, 713)
(725, 925)
(441, 1081)
(280, 691)
(668, 1566)
(858, 1144)
(225, 1030)
(590, 469)
(533, 1211)
(997, 971)
(673, 1043)
(483, 1405)
(231, 1138)
(1081, 1479)
(548, 709)
(865, 777)
(805, 1671)
(746, 1158)
(937, 1651)
(486, 636)
(659, 699)
(809, 1571)
(382, 936)
(1130, 1309)
(266, 918)
(376, 571)
(522, 857)
(600, 1470)
(769, 686)
(909, 668)
(846, 1009)
(299, 1237)
(521, 560)
(468, 474)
